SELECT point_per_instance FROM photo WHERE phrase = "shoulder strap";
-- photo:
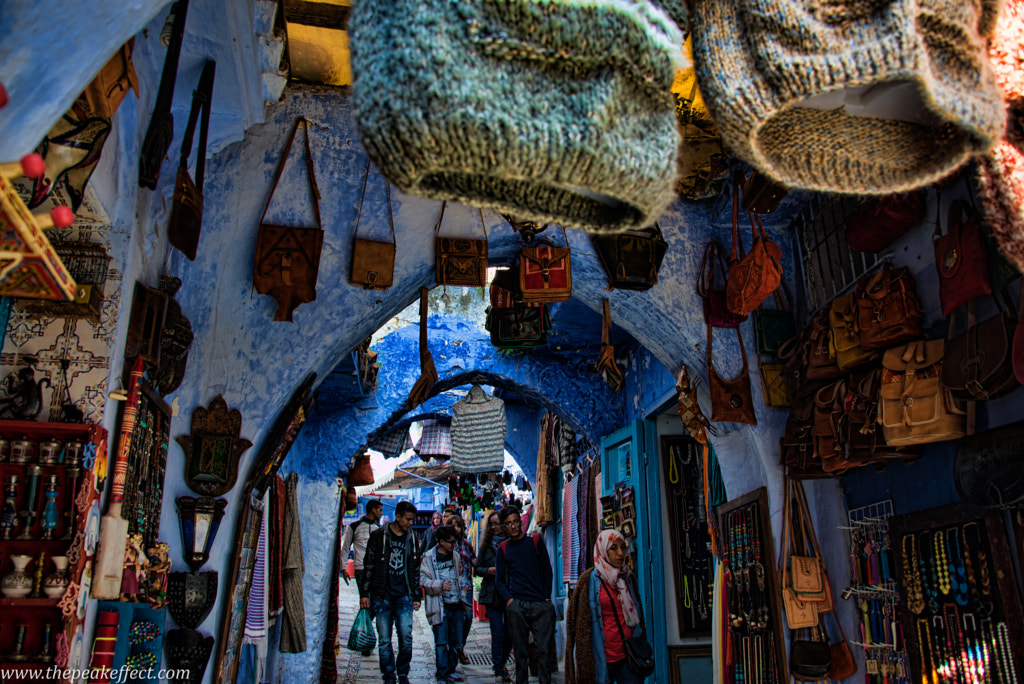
(536, 541)
(391, 216)
(743, 349)
(503, 546)
(314, 191)
(201, 97)
(737, 252)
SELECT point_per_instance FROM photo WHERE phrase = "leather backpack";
(545, 272)
(845, 335)
(960, 257)
(888, 310)
(978, 362)
(865, 441)
(711, 287)
(753, 276)
(460, 261)
(631, 259)
(819, 363)
(186, 219)
(915, 407)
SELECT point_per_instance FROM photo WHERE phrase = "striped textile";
(256, 615)
(575, 546)
(436, 440)
(568, 531)
(478, 433)
(585, 555)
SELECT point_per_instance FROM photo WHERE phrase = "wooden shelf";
(29, 602)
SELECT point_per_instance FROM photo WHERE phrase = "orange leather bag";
(753, 276)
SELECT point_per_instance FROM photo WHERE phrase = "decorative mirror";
(213, 449)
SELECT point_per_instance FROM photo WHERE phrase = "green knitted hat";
(553, 110)
(757, 60)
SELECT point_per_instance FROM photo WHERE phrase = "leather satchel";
(819, 362)
(845, 335)
(373, 261)
(110, 86)
(799, 613)
(545, 272)
(774, 327)
(606, 363)
(866, 443)
(988, 469)
(460, 261)
(731, 400)
(420, 391)
(831, 427)
(915, 407)
(287, 259)
(797, 441)
(880, 221)
(960, 257)
(362, 473)
(775, 385)
(186, 220)
(712, 289)
(978, 363)
(888, 310)
(810, 660)
(518, 326)
(631, 259)
(757, 274)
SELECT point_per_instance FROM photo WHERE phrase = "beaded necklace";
(931, 592)
(924, 641)
(942, 651)
(1009, 669)
(957, 567)
(758, 567)
(939, 562)
(915, 596)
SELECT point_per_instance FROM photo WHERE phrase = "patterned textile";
(591, 511)
(478, 433)
(582, 533)
(566, 440)
(543, 495)
(392, 444)
(574, 542)
(548, 438)
(278, 496)
(436, 440)
(256, 614)
(568, 533)
(293, 625)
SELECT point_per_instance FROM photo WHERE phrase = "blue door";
(629, 457)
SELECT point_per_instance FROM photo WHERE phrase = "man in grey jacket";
(358, 533)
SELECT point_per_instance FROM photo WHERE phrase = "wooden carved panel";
(213, 449)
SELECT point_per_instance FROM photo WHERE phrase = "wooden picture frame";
(681, 672)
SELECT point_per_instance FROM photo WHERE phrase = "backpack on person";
(536, 543)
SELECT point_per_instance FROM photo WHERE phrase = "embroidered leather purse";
(631, 259)
(888, 310)
(545, 272)
(978, 363)
(960, 257)
(288, 258)
(460, 261)
(799, 613)
(186, 219)
(915, 407)
(711, 288)
(373, 261)
(731, 400)
(755, 275)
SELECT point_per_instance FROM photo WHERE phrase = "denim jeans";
(501, 643)
(448, 641)
(397, 613)
(619, 673)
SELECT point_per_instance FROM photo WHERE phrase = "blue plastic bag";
(362, 638)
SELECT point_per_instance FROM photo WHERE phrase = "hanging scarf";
(614, 577)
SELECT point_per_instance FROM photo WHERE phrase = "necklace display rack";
(873, 590)
(959, 608)
(756, 647)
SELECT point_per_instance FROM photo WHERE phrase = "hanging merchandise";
(695, 422)
(361, 474)
(866, 443)
(885, 101)
(606, 364)
(978, 363)
(545, 272)
(460, 261)
(845, 335)
(478, 433)
(373, 261)
(513, 323)
(879, 221)
(774, 327)
(819, 363)
(755, 275)
(960, 257)
(987, 468)
(761, 195)
(186, 220)
(731, 400)
(436, 441)
(631, 259)
(712, 289)
(287, 258)
(915, 407)
(586, 89)
(888, 310)
(428, 373)
(831, 428)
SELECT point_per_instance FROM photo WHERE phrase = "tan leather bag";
(845, 339)
(888, 310)
(373, 261)
(799, 612)
(428, 373)
(914, 406)
(460, 261)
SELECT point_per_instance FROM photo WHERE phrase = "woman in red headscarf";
(604, 611)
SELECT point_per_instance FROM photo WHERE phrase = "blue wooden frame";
(641, 438)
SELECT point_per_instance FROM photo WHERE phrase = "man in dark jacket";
(523, 582)
(390, 588)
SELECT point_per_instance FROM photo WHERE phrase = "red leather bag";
(960, 257)
(888, 310)
(755, 275)
(711, 288)
(879, 221)
(545, 272)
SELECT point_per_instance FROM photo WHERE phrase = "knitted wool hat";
(757, 60)
(557, 111)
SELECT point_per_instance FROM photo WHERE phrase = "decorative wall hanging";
(373, 261)
(200, 520)
(175, 341)
(189, 650)
(287, 259)
(186, 221)
(190, 597)
(213, 449)
(87, 262)
(146, 325)
(147, 465)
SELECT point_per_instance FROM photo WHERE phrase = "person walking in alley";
(358, 533)
(390, 588)
(524, 585)
(443, 582)
(604, 611)
(467, 553)
(486, 567)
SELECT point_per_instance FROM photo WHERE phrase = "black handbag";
(810, 661)
(518, 327)
(639, 653)
(988, 469)
(631, 259)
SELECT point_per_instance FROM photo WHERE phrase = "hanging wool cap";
(556, 111)
(922, 97)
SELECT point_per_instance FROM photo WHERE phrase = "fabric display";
(391, 444)
(757, 77)
(601, 73)
(293, 567)
(255, 631)
(435, 439)
(546, 485)
(275, 560)
(477, 433)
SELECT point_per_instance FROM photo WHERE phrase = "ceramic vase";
(17, 584)
(56, 583)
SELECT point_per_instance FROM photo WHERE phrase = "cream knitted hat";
(552, 110)
(757, 60)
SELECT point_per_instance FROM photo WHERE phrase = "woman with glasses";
(501, 645)
(467, 553)
(604, 611)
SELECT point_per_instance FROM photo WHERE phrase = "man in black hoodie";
(524, 584)
(390, 588)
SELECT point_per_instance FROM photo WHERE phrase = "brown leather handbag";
(978, 364)
(845, 335)
(545, 272)
(711, 289)
(631, 259)
(755, 275)
(800, 613)
(428, 373)
(731, 400)
(797, 442)
(866, 441)
(831, 428)
(460, 261)
(775, 384)
(888, 310)
(287, 259)
(915, 407)
(819, 363)
(960, 257)
(373, 261)
(186, 220)
(110, 86)
(606, 364)
(361, 474)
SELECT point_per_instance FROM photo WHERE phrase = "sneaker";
(455, 677)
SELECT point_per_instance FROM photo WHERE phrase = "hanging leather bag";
(186, 220)
(695, 422)
(711, 284)
(860, 404)
(731, 400)
(797, 441)
(606, 364)
(428, 373)
(988, 469)
(774, 327)
(373, 261)
(460, 261)
(110, 86)
(757, 274)
(960, 257)
(287, 259)
(545, 272)
(822, 599)
(799, 613)
(810, 657)
(512, 323)
(160, 131)
(845, 335)
(978, 363)
(880, 221)
(831, 427)
(888, 310)
(362, 473)
(631, 259)
(819, 363)
(915, 407)
(775, 384)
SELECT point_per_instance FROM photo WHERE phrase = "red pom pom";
(62, 217)
(33, 165)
